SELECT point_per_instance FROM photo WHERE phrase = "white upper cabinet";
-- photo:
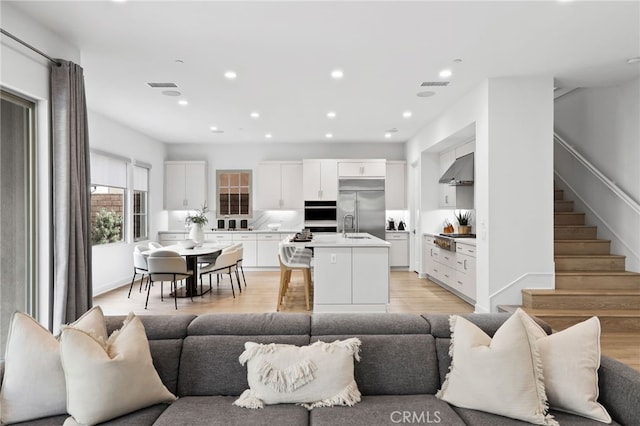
(279, 186)
(362, 168)
(185, 185)
(395, 186)
(320, 180)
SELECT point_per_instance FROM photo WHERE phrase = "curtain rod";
(8, 34)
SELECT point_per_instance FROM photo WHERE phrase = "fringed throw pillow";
(502, 375)
(317, 375)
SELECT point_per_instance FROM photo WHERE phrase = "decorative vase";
(464, 229)
(196, 233)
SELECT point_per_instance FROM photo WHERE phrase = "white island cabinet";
(350, 274)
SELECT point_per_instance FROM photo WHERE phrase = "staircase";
(589, 279)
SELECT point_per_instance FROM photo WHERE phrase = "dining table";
(191, 257)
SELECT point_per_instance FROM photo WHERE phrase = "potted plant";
(463, 221)
(196, 223)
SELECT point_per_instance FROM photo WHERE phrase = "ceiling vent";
(434, 83)
(162, 84)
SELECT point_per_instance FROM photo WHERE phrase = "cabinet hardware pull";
(459, 282)
(465, 264)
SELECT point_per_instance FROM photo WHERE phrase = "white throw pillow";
(33, 384)
(108, 381)
(570, 362)
(502, 375)
(317, 375)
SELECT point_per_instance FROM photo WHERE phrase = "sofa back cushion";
(398, 354)
(209, 362)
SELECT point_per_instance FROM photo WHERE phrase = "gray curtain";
(72, 288)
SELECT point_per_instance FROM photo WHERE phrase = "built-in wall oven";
(321, 216)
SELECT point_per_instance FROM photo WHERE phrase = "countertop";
(227, 231)
(469, 241)
(337, 240)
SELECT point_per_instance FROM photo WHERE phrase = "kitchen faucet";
(344, 224)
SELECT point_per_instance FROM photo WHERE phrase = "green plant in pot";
(196, 223)
(464, 220)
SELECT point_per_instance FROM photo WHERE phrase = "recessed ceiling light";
(213, 128)
(407, 114)
(255, 114)
(179, 61)
(331, 114)
(183, 102)
(171, 93)
(230, 75)
(328, 135)
(425, 94)
(445, 73)
(387, 135)
(633, 60)
(268, 136)
(337, 74)
(457, 60)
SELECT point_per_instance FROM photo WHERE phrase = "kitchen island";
(351, 274)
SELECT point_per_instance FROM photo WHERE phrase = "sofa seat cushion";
(475, 417)
(45, 421)
(143, 417)
(220, 411)
(388, 409)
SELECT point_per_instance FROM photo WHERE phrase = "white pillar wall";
(514, 192)
(513, 119)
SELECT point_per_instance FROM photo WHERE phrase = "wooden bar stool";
(292, 259)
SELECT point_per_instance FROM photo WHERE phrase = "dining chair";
(292, 259)
(224, 264)
(239, 264)
(153, 245)
(166, 265)
(139, 266)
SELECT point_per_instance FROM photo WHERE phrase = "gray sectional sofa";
(404, 361)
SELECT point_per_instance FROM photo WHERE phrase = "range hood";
(460, 173)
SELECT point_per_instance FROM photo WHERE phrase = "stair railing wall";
(617, 213)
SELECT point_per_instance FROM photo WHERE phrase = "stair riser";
(584, 302)
(608, 324)
(591, 247)
(568, 219)
(588, 264)
(563, 206)
(558, 194)
(571, 233)
(586, 282)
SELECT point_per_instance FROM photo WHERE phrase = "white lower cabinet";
(351, 279)
(267, 248)
(167, 239)
(454, 270)
(399, 250)
(249, 247)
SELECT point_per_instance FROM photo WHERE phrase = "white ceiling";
(283, 53)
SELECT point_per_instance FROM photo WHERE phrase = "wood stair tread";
(586, 240)
(583, 292)
(591, 256)
(597, 273)
(630, 313)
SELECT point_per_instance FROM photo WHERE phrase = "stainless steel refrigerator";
(363, 199)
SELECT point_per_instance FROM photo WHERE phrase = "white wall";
(603, 125)
(27, 74)
(513, 159)
(113, 263)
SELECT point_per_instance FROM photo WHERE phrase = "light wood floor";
(408, 293)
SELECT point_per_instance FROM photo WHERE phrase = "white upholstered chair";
(166, 265)
(139, 266)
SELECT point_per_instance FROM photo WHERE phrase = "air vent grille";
(162, 84)
(434, 83)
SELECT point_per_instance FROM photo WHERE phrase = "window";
(140, 203)
(18, 212)
(233, 193)
(108, 185)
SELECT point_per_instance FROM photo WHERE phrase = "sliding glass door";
(17, 210)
